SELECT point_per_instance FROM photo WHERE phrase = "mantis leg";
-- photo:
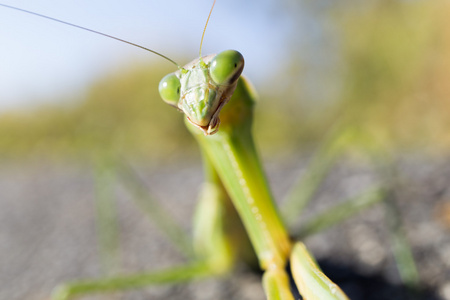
(310, 280)
(187, 272)
(217, 230)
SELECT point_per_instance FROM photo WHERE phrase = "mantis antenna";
(204, 30)
(94, 31)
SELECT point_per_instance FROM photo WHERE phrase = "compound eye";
(169, 89)
(226, 67)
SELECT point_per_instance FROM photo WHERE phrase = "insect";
(218, 102)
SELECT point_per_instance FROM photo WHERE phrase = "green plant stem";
(340, 212)
(106, 210)
(154, 210)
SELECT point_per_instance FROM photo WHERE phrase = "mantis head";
(201, 88)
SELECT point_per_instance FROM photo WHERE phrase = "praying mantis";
(218, 102)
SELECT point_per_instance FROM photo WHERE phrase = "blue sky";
(40, 59)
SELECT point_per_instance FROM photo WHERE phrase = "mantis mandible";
(217, 102)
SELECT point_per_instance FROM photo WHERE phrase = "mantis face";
(201, 88)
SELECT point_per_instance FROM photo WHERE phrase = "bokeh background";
(380, 65)
(372, 74)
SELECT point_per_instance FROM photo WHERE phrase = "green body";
(230, 151)
(236, 215)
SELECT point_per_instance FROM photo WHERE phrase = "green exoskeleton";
(210, 91)
(233, 170)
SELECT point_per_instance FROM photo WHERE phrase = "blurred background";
(380, 65)
(371, 74)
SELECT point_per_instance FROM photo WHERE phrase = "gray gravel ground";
(48, 236)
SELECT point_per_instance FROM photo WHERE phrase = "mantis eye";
(226, 67)
(169, 89)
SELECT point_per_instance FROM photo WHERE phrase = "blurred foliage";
(384, 85)
(396, 55)
(392, 94)
(122, 114)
